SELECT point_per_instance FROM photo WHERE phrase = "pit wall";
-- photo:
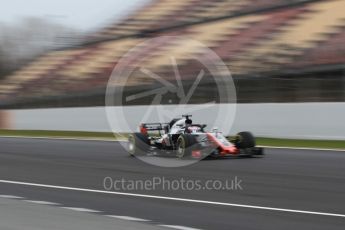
(288, 120)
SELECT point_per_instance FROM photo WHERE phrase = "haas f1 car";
(184, 139)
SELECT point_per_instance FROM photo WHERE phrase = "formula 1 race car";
(181, 138)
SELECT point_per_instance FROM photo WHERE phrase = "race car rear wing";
(145, 127)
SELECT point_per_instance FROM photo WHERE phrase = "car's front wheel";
(244, 140)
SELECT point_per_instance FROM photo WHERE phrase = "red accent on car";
(196, 154)
(223, 149)
(143, 129)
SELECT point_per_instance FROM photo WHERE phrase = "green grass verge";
(327, 144)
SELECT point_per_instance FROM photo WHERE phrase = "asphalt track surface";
(18, 214)
(301, 180)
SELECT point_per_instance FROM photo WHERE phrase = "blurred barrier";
(284, 120)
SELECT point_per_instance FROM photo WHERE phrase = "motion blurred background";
(277, 50)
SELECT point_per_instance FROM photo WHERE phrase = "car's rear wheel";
(185, 145)
(244, 140)
(138, 144)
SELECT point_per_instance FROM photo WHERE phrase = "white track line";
(174, 199)
(178, 227)
(127, 218)
(42, 202)
(11, 197)
(80, 209)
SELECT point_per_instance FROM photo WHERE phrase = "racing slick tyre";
(245, 140)
(185, 144)
(138, 144)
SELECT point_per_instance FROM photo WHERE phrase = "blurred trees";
(23, 41)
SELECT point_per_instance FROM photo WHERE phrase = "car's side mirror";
(203, 127)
